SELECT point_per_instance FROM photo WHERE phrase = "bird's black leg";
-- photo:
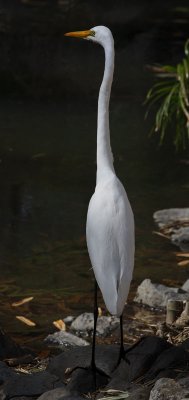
(121, 351)
(93, 365)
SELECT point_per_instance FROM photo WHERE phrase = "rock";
(181, 238)
(65, 339)
(69, 319)
(185, 286)
(30, 385)
(171, 215)
(168, 389)
(57, 394)
(185, 344)
(2, 397)
(85, 322)
(175, 357)
(175, 224)
(106, 359)
(6, 372)
(157, 295)
(141, 357)
(10, 349)
(184, 382)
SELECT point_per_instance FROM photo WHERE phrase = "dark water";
(47, 170)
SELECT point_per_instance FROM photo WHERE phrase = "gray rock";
(65, 339)
(3, 397)
(181, 238)
(171, 215)
(10, 349)
(184, 382)
(85, 322)
(69, 319)
(30, 385)
(157, 295)
(172, 220)
(168, 389)
(185, 344)
(56, 394)
(6, 372)
(185, 286)
(173, 358)
(106, 359)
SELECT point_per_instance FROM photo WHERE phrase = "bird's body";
(110, 230)
(110, 222)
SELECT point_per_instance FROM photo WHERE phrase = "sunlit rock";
(65, 339)
(174, 224)
(181, 238)
(185, 285)
(170, 216)
(157, 295)
(85, 323)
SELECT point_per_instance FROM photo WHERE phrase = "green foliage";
(171, 95)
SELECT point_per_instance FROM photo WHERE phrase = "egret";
(110, 221)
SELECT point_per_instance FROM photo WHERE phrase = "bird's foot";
(95, 376)
(123, 353)
(122, 356)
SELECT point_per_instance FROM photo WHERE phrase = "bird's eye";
(92, 33)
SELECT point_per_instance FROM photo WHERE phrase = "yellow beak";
(80, 34)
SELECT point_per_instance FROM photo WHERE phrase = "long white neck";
(104, 153)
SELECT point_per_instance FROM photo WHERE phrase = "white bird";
(110, 221)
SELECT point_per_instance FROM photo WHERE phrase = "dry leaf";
(183, 263)
(21, 369)
(182, 255)
(38, 155)
(25, 320)
(60, 324)
(23, 301)
(161, 234)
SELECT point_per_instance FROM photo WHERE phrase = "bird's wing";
(110, 241)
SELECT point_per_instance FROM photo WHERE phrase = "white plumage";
(110, 222)
(110, 231)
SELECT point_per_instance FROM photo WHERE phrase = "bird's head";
(98, 34)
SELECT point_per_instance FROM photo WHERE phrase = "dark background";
(37, 61)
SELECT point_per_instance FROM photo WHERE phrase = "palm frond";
(171, 96)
